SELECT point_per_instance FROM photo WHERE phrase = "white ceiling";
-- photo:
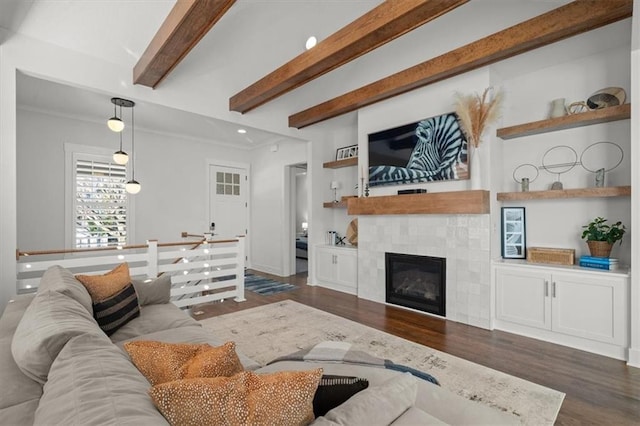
(252, 39)
(67, 101)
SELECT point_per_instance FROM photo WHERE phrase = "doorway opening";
(299, 218)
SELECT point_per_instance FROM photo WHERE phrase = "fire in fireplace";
(417, 282)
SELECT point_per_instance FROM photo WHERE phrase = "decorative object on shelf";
(476, 113)
(555, 256)
(577, 107)
(513, 233)
(525, 180)
(558, 108)
(347, 152)
(601, 236)
(352, 232)
(331, 238)
(598, 152)
(562, 165)
(605, 263)
(433, 149)
(607, 97)
(366, 189)
(335, 185)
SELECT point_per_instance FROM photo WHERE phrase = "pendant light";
(114, 123)
(120, 157)
(133, 186)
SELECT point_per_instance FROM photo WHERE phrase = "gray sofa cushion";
(47, 325)
(415, 416)
(153, 292)
(92, 382)
(380, 404)
(21, 414)
(61, 280)
(154, 318)
(16, 387)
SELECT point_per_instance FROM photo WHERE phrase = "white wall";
(270, 216)
(302, 199)
(172, 172)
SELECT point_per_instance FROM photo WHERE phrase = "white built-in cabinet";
(337, 268)
(573, 306)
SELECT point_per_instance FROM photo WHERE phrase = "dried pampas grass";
(476, 112)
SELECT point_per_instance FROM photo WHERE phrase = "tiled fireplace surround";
(463, 239)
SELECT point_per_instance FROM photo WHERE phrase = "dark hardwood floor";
(599, 390)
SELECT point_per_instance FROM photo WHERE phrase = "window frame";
(73, 153)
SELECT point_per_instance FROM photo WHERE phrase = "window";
(100, 204)
(227, 183)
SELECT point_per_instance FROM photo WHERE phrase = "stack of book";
(599, 262)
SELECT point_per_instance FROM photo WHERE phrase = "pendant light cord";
(133, 151)
(114, 113)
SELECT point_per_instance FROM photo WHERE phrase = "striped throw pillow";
(117, 309)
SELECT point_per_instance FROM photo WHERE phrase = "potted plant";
(601, 236)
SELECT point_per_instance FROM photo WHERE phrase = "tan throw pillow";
(100, 287)
(283, 398)
(163, 362)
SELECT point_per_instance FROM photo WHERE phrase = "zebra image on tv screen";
(434, 149)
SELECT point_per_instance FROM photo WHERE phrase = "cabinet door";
(523, 297)
(325, 263)
(347, 269)
(589, 307)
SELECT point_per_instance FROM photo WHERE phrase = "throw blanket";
(342, 352)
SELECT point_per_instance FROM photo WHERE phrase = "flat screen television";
(429, 150)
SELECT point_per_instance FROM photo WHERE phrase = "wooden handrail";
(119, 248)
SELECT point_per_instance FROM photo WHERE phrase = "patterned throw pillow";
(163, 362)
(283, 398)
(335, 390)
(116, 310)
(102, 286)
(114, 298)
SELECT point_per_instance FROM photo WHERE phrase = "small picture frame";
(513, 233)
(347, 152)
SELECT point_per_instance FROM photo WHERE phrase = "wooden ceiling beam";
(566, 21)
(186, 24)
(384, 23)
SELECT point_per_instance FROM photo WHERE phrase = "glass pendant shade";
(115, 124)
(120, 157)
(133, 187)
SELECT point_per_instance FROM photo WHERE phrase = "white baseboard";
(268, 270)
(634, 358)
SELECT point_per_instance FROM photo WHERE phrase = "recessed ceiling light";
(242, 131)
(311, 41)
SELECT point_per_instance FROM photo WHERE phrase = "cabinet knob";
(546, 288)
(553, 289)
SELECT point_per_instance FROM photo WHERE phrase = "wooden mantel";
(456, 202)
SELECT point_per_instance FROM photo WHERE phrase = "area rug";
(265, 286)
(267, 332)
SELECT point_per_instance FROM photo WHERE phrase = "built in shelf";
(334, 205)
(620, 112)
(347, 162)
(610, 191)
(456, 202)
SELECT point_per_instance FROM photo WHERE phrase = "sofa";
(57, 366)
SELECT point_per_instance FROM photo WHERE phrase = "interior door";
(228, 202)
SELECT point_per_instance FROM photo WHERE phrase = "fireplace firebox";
(417, 282)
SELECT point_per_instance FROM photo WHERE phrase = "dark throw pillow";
(335, 390)
(117, 309)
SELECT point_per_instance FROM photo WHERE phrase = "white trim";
(71, 153)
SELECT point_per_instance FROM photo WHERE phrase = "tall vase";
(475, 168)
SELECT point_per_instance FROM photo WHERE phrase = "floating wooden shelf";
(333, 205)
(458, 202)
(347, 162)
(620, 112)
(610, 191)
(341, 204)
